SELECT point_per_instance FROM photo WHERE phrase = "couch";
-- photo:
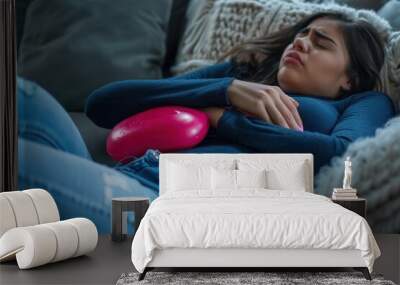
(60, 40)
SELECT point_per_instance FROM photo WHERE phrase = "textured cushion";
(375, 175)
(73, 47)
(390, 73)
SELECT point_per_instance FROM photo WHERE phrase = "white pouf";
(31, 231)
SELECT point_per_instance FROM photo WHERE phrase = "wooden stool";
(137, 205)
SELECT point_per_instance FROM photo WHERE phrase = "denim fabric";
(52, 155)
(144, 169)
(42, 119)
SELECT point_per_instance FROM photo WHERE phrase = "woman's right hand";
(266, 102)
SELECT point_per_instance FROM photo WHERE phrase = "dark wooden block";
(138, 205)
(358, 205)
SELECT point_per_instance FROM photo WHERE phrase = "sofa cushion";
(362, 4)
(94, 136)
(391, 12)
(20, 10)
(73, 47)
(176, 26)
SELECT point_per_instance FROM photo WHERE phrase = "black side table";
(358, 206)
(138, 205)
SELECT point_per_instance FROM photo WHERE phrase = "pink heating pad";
(167, 128)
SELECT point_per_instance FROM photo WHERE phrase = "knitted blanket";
(218, 25)
(376, 168)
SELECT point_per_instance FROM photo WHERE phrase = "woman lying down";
(307, 89)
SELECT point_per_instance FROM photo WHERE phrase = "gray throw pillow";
(391, 12)
(72, 47)
(363, 4)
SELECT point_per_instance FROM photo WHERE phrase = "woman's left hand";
(213, 114)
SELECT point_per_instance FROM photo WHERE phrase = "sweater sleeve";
(201, 88)
(361, 118)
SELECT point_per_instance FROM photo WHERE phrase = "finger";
(277, 110)
(293, 109)
(261, 112)
(274, 113)
(287, 113)
(293, 100)
(292, 104)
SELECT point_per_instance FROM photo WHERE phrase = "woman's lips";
(293, 57)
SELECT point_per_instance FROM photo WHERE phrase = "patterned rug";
(243, 278)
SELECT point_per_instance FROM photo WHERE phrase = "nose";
(300, 44)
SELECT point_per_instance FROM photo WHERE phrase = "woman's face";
(323, 58)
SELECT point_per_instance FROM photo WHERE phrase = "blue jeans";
(52, 155)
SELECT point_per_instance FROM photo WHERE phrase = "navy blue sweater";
(330, 125)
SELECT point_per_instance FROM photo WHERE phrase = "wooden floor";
(389, 262)
(111, 259)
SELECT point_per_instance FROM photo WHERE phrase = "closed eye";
(320, 37)
(318, 44)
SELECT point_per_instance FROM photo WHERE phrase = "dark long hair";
(258, 59)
